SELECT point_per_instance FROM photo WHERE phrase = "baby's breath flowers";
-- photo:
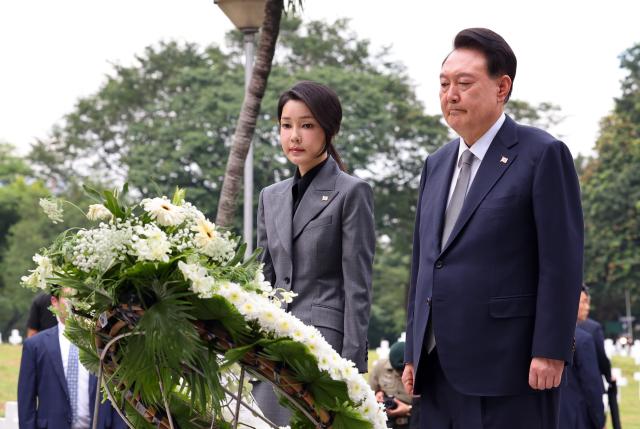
(52, 207)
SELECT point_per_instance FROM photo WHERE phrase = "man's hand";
(407, 378)
(401, 410)
(545, 373)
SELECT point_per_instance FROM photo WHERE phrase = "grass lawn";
(629, 399)
(9, 368)
(629, 395)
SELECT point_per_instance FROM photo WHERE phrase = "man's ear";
(504, 86)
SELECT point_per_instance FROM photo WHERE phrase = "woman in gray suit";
(316, 230)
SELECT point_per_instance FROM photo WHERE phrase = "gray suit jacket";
(324, 254)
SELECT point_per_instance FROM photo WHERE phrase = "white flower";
(163, 211)
(52, 208)
(260, 282)
(98, 212)
(156, 246)
(287, 296)
(38, 277)
(211, 242)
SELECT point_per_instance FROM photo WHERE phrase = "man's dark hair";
(585, 288)
(500, 57)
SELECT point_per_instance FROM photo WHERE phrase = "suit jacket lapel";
(282, 208)
(318, 196)
(499, 157)
(53, 348)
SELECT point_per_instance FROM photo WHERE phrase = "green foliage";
(611, 201)
(11, 165)
(24, 229)
(545, 115)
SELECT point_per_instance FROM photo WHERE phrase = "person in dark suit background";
(595, 329)
(497, 256)
(581, 404)
(54, 390)
(316, 230)
(40, 317)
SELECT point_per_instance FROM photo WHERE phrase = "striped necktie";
(72, 379)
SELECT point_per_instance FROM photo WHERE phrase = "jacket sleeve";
(358, 247)
(415, 265)
(603, 361)
(263, 243)
(590, 381)
(27, 387)
(559, 226)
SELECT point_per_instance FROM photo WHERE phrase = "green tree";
(169, 120)
(544, 115)
(611, 200)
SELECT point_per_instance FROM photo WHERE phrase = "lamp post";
(247, 16)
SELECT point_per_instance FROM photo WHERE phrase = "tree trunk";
(249, 113)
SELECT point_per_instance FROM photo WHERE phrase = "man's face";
(471, 100)
(583, 308)
(61, 304)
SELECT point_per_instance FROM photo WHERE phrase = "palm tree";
(250, 110)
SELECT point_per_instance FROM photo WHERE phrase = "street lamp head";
(246, 15)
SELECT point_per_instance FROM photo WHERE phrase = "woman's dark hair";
(325, 107)
(500, 57)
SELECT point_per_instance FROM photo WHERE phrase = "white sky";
(52, 52)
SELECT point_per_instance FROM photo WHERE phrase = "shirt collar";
(60, 327)
(480, 147)
(305, 180)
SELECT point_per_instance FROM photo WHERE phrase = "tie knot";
(466, 158)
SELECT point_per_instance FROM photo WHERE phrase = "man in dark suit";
(54, 390)
(595, 329)
(497, 256)
(40, 317)
(581, 405)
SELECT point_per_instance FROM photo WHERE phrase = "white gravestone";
(15, 337)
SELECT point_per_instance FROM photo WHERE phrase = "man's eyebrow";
(459, 75)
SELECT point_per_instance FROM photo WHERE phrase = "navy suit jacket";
(43, 396)
(505, 287)
(595, 329)
(581, 405)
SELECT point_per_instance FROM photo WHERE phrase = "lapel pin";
(325, 198)
(504, 159)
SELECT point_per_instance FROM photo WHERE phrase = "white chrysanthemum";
(155, 247)
(202, 284)
(212, 242)
(38, 277)
(163, 211)
(52, 208)
(98, 212)
(260, 282)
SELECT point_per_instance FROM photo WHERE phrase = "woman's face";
(301, 136)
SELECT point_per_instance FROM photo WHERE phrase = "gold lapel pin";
(504, 159)
(325, 198)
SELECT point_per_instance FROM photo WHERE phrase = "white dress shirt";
(84, 417)
(479, 150)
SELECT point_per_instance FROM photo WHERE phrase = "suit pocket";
(501, 307)
(327, 317)
(316, 223)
